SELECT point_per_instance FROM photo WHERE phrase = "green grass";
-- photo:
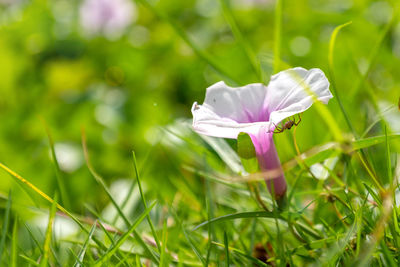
(131, 94)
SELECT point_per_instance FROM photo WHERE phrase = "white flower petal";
(227, 111)
(289, 92)
(207, 122)
(241, 104)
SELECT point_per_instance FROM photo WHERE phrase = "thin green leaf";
(210, 214)
(163, 257)
(31, 261)
(373, 194)
(49, 233)
(332, 43)
(228, 14)
(338, 249)
(256, 261)
(19, 178)
(82, 252)
(138, 261)
(277, 35)
(181, 32)
(153, 231)
(226, 249)
(124, 237)
(374, 53)
(101, 182)
(372, 141)
(6, 222)
(193, 246)
(65, 200)
(14, 245)
(388, 160)
(253, 214)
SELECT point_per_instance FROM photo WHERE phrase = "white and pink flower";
(256, 109)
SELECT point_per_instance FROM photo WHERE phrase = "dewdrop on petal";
(257, 109)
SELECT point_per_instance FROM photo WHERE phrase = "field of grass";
(100, 165)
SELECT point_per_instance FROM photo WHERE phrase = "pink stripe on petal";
(268, 160)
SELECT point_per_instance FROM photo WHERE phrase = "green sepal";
(247, 153)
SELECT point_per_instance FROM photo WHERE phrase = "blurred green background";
(121, 85)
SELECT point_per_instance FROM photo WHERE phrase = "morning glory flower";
(109, 17)
(257, 109)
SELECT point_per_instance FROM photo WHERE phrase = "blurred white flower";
(62, 227)
(69, 156)
(108, 17)
(320, 170)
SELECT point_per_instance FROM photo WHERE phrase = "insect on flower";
(287, 125)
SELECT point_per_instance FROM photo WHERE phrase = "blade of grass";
(163, 257)
(32, 262)
(339, 248)
(253, 214)
(193, 246)
(132, 186)
(260, 214)
(14, 245)
(277, 206)
(19, 178)
(6, 222)
(372, 141)
(65, 200)
(75, 256)
(373, 194)
(181, 33)
(138, 261)
(47, 241)
(393, 223)
(374, 54)
(388, 255)
(210, 214)
(125, 261)
(153, 231)
(256, 261)
(388, 162)
(124, 237)
(82, 252)
(369, 246)
(228, 14)
(331, 149)
(370, 171)
(226, 249)
(277, 35)
(35, 241)
(252, 236)
(101, 182)
(106, 232)
(332, 43)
